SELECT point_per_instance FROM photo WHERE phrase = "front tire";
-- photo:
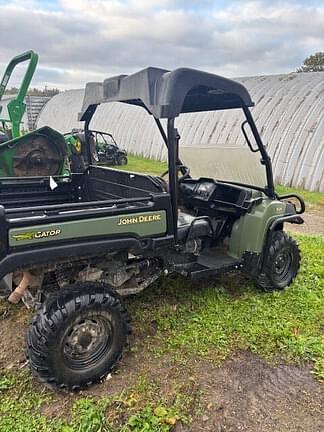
(122, 160)
(78, 336)
(282, 262)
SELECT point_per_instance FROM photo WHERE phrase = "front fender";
(249, 232)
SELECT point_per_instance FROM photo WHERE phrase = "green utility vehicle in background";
(36, 153)
(80, 242)
(103, 147)
(108, 150)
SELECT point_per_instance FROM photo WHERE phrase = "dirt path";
(246, 394)
(314, 223)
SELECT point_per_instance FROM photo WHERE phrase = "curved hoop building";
(289, 113)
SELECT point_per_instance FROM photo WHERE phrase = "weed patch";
(232, 314)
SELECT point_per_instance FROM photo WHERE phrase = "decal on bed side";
(36, 234)
(137, 224)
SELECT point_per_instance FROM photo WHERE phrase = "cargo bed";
(82, 214)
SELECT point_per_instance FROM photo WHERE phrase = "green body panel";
(135, 224)
(249, 231)
(16, 107)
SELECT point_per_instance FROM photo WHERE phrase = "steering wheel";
(185, 172)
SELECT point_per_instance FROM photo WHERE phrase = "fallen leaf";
(171, 421)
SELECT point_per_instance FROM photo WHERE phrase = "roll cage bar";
(16, 107)
(167, 94)
(103, 135)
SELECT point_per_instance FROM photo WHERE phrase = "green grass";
(19, 406)
(136, 409)
(210, 321)
(313, 198)
(144, 165)
(220, 318)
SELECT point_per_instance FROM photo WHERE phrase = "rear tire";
(78, 336)
(282, 262)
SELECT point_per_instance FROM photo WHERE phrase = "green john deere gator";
(77, 243)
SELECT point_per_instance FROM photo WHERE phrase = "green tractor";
(36, 153)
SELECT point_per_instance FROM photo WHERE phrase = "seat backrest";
(3, 138)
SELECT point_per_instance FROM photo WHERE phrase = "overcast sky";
(89, 40)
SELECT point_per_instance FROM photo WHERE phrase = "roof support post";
(87, 121)
(173, 172)
(160, 127)
(266, 160)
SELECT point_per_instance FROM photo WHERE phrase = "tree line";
(47, 91)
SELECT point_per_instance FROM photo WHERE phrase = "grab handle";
(299, 198)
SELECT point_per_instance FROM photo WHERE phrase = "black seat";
(191, 227)
(3, 138)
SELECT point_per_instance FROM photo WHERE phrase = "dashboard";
(208, 194)
(205, 189)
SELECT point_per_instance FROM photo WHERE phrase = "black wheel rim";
(282, 266)
(87, 342)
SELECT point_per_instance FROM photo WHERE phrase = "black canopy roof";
(166, 94)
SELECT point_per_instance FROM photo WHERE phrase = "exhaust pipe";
(18, 293)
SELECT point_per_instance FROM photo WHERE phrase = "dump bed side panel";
(93, 213)
(136, 224)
